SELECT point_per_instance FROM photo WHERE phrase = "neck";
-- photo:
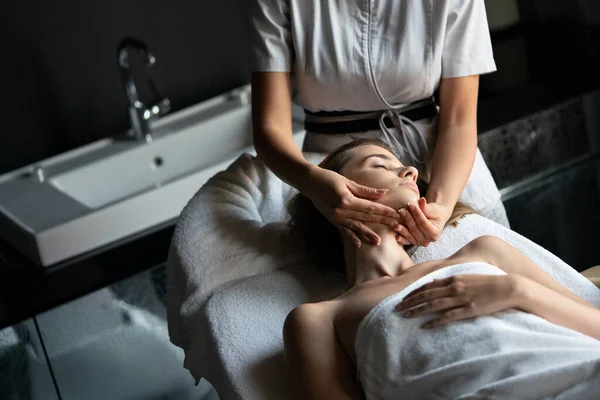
(371, 262)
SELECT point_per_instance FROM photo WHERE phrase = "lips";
(411, 184)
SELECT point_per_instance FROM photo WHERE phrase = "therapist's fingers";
(352, 236)
(369, 207)
(366, 217)
(359, 229)
(402, 241)
(429, 230)
(404, 233)
(366, 192)
(410, 223)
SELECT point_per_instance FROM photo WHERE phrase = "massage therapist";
(369, 69)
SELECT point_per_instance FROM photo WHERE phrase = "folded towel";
(234, 228)
(506, 355)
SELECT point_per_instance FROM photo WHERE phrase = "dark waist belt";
(340, 122)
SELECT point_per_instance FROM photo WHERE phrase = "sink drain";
(157, 162)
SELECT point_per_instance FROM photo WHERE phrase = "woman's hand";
(347, 204)
(423, 223)
(460, 297)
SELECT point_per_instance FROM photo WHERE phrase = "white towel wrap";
(506, 355)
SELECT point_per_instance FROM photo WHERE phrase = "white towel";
(505, 355)
(230, 239)
(233, 228)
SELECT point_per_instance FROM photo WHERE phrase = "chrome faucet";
(139, 114)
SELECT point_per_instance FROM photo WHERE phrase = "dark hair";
(322, 240)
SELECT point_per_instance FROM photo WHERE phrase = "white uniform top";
(343, 52)
(379, 55)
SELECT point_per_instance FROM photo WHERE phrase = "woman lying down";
(483, 323)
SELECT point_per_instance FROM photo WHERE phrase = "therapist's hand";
(348, 205)
(422, 223)
(460, 297)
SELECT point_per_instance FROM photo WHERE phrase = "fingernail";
(403, 212)
(357, 243)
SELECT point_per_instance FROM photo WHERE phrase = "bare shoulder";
(487, 242)
(511, 260)
(496, 251)
(486, 248)
(307, 317)
(317, 365)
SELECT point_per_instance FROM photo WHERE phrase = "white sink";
(153, 165)
(92, 196)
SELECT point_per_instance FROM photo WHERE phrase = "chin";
(399, 199)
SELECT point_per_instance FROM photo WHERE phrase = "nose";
(408, 172)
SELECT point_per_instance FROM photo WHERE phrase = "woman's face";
(374, 166)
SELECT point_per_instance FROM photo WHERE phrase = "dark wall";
(59, 81)
(60, 86)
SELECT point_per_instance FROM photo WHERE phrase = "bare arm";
(503, 255)
(272, 126)
(538, 293)
(526, 287)
(456, 145)
(558, 309)
(317, 366)
(452, 162)
(345, 203)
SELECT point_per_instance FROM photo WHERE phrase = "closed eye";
(385, 166)
(381, 166)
